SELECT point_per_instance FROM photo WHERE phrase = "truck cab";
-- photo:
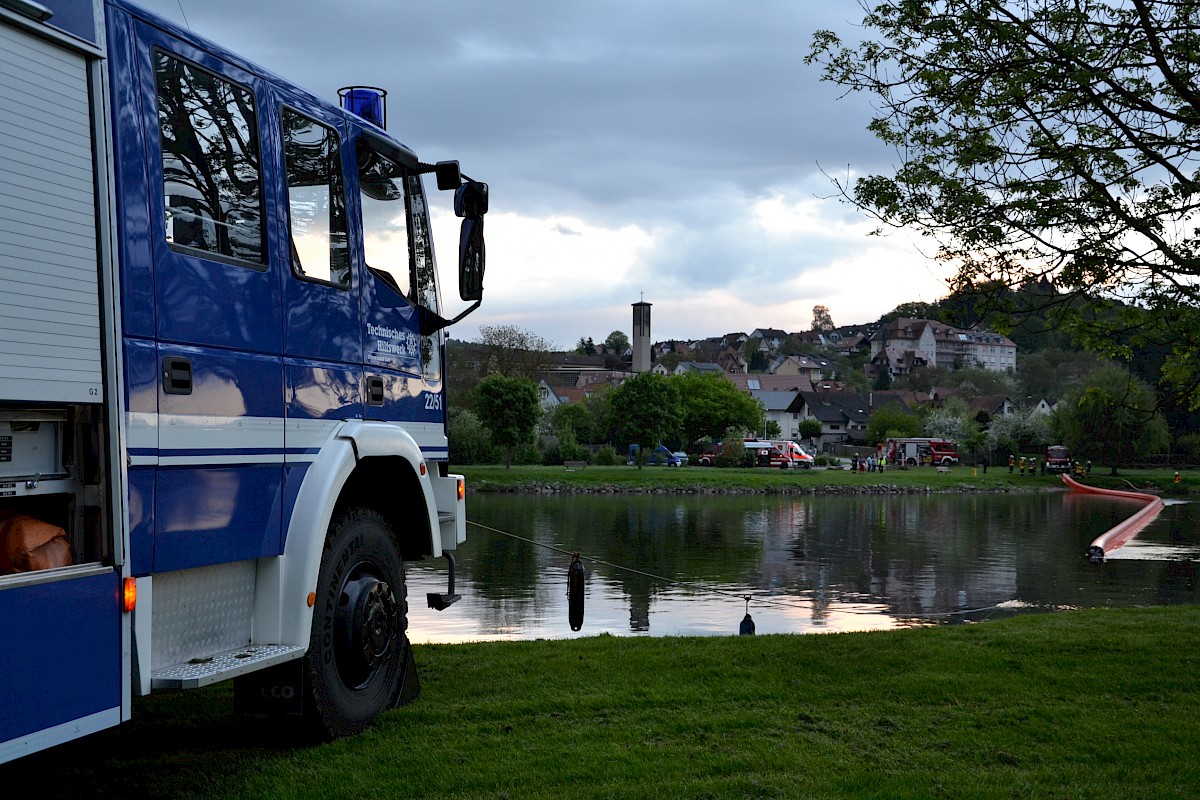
(1058, 459)
(222, 393)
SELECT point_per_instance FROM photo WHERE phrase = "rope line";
(707, 589)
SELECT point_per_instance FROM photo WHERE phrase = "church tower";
(641, 337)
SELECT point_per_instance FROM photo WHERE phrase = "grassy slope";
(1089, 704)
(497, 478)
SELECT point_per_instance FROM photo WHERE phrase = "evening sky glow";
(674, 152)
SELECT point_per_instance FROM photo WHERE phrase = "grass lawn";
(701, 479)
(1081, 704)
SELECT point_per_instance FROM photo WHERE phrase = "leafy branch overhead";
(1051, 141)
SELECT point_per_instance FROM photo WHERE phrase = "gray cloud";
(673, 116)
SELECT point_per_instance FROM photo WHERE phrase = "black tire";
(359, 653)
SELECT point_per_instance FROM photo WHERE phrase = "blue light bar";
(367, 102)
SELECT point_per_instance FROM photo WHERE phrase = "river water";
(668, 564)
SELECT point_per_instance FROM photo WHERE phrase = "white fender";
(295, 573)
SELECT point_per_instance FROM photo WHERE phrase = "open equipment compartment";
(50, 469)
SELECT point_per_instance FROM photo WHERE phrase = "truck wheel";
(359, 653)
(912, 462)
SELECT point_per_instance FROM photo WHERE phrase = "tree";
(579, 418)
(509, 407)
(470, 442)
(809, 428)
(1048, 373)
(647, 409)
(1048, 140)
(891, 420)
(883, 381)
(585, 347)
(604, 423)
(952, 421)
(1111, 418)
(1019, 432)
(759, 361)
(616, 343)
(513, 351)
(822, 321)
(709, 404)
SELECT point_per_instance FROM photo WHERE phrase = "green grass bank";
(1079, 704)
(819, 480)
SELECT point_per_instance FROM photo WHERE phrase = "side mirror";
(449, 176)
(471, 258)
(471, 200)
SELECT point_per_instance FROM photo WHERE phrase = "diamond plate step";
(222, 666)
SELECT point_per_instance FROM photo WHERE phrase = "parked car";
(681, 457)
(660, 455)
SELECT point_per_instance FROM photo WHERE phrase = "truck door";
(322, 328)
(218, 313)
(401, 368)
(61, 625)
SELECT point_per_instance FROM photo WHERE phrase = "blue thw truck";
(222, 380)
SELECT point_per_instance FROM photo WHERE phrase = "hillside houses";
(843, 415)
(905, 344)
(793, 385)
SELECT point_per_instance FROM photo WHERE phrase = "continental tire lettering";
(331, 598)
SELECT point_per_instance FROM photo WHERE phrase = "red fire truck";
(915, 451)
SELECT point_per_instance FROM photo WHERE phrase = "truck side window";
(316, 201)
(210, 162)
(425, 269)
(384, 219)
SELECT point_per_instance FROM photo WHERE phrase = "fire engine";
(1058, 459)
(222, 380)
(915, 451)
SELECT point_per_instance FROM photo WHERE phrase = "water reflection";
(680, 564)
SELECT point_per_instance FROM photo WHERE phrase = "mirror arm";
(432, 323)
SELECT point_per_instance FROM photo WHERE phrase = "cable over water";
(761, 598)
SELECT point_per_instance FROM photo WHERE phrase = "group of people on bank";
(866, 464)
(1078, 468)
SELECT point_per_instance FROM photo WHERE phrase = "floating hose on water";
(1122, 532)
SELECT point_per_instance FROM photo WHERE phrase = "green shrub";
(606, 456)
(527, 453)
(470, 440)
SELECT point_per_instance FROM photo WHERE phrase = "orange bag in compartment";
(28, 544)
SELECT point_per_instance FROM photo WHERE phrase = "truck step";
(202, 671)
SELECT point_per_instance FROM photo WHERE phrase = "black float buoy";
(747, 626)
(1095, 554)
(575, 593)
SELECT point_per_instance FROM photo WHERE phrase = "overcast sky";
(666, 151)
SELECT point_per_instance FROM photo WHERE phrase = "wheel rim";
(365, 628)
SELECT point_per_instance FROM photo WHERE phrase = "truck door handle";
(374, 390)
(177, 375)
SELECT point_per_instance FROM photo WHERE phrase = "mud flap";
(410, 684)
